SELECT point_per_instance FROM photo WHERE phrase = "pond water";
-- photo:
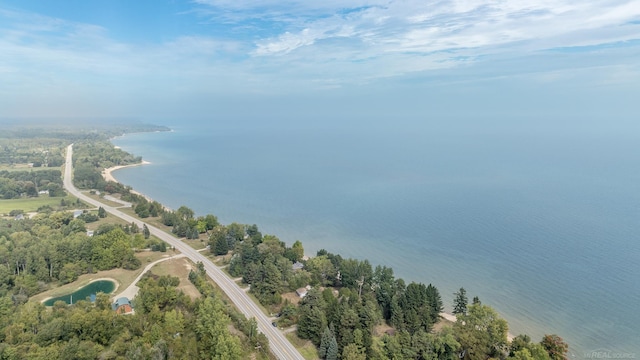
(89, 291)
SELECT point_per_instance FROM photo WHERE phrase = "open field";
(25, 167)
(305, 347)
(196, 243)
(179, 268)
(32, 204)
(110, 219)
(102, 200)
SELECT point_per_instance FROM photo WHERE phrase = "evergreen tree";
(324, 343)
(332, 350)
(460, 302)
(221, 247)
(312, 320)
(102, 213)
(435, 303)
(145, 231)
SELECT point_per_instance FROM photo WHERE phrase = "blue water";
(540, 220)
(88, 291)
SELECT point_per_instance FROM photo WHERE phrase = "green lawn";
(32, 204)
(24, 167)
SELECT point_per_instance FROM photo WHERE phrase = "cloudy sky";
(164, 58)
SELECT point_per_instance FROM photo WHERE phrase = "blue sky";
(366, 58)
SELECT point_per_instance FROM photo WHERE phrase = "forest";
(53, 248)
(16, 184)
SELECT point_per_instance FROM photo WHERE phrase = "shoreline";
(107, 173)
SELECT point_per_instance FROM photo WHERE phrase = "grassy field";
(25, 167)
(179, 268)
(197, 243)
(32, 204)
(102, 200)
(305, 347)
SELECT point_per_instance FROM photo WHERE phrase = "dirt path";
(131, 291)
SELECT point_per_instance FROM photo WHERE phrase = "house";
(297, 266)
(43, 192)
(77, 213)
(122, 306)
(302, 292)
(90, 232)
(19, 217)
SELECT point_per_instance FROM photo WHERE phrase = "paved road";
(278, 343)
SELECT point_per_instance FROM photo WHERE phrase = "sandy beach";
(107, 173)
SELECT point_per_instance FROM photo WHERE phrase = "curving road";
(278, 343)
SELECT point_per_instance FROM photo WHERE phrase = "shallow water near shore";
(540, 222)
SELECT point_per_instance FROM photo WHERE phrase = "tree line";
(54, 247)
(350, 300)
(15, 184)
(167, 324)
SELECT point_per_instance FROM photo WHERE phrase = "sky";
(318, 59)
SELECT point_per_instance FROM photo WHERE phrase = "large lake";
(540, 220)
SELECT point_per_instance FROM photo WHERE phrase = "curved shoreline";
(107, 173)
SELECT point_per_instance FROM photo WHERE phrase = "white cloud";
(301, 44)
(426, 27)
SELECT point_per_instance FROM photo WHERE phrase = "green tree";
(102, 213)
(481, 333)
(327, 335)
(214, 339)
(312, 320)
(220, 247)
(460, 302)
(211, 221)
(445, 345)
(555, 347)
(298, 250)
(145, 231)
(353, 352)
(184, 213)
(332, 350)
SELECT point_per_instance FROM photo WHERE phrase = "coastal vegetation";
(341, 304)
(346, 308)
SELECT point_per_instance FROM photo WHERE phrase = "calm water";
(539, 221)
(85, 292)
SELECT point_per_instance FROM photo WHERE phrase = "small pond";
(89, 291)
